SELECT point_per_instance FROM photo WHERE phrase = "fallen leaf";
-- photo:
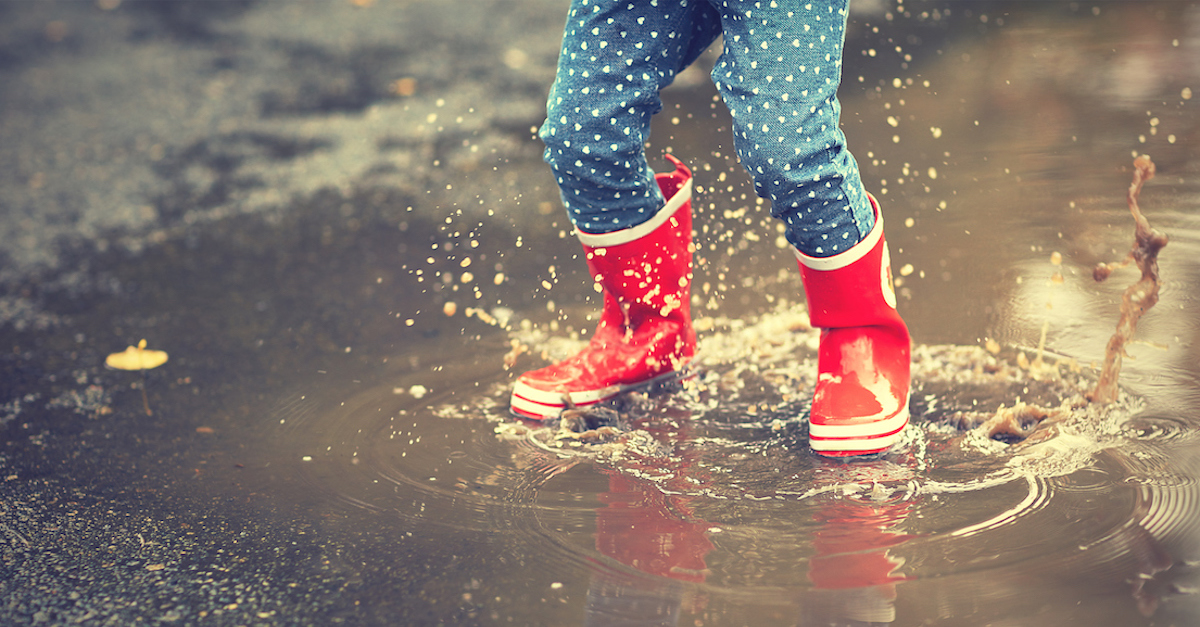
(136, 358)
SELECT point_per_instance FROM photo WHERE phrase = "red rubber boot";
(645, 332)
(861, 402)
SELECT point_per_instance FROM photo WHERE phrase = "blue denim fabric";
(778, 73)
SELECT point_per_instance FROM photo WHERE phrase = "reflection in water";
(652, 529)
(854, 571)
(645, 529)
(649, 527)
(705, 504)
(1165, 522)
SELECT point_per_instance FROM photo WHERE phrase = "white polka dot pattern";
(778, 73)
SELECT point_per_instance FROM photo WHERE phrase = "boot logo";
(885, 278)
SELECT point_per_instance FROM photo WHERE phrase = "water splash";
(1139, 297)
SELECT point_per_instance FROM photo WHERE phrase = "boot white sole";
(530, 402)
(859, 439)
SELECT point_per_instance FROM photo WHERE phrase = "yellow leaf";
(136, 358)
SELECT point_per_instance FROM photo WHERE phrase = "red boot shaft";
(645, 330)
(860, 405)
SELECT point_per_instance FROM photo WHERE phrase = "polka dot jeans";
(778, 73)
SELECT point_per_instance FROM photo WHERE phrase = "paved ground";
(197, 173)
(142, 120)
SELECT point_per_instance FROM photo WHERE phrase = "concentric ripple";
(711, 483)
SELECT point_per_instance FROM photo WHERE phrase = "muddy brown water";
(346, 429)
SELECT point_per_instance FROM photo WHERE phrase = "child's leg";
(635, 227)
(616, 56)
(779, 74)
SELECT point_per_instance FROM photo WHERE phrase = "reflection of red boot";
(853, 569)
(861, 401)
(852, 545)
(645, 332)
(643, 528)
(650, 527)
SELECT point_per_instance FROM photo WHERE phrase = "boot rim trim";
(847, 257)
(638, 231)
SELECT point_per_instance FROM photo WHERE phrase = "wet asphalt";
(201, 174)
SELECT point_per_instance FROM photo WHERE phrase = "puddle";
(711, 485)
